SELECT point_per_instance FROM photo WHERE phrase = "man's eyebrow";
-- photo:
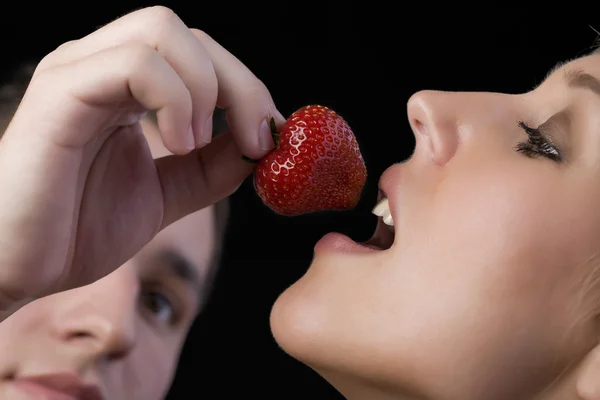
(183, 269)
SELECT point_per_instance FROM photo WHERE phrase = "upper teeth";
(382, 209)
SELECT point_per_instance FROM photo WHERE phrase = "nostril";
(117, 354)
(422, 135)
(9, 376)
(432, 117)
(111, 345)
(419, 127)
(78, 335)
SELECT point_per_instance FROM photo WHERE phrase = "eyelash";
(537, 144)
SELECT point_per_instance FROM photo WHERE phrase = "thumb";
(201, 178)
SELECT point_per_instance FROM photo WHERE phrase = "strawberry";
(316, 165)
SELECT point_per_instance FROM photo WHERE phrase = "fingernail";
(190, 142)
(265, 139)
(208, 130)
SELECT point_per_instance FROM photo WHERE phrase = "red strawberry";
(316, 165)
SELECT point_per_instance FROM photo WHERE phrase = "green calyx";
(276, 138)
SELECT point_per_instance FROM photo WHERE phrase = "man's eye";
(159, 305)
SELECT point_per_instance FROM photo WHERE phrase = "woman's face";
(489, 288)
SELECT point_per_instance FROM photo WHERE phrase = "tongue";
(383, 237)
(375, 242)
(371, 246)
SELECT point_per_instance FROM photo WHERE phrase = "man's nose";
(100, 318)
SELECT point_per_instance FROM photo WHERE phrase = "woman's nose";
(435, 122)
(100, 319)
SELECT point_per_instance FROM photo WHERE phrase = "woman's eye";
(159, 305)
(537, 144)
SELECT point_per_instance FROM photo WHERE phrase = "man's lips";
(61, 386)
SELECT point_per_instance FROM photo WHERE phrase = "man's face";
(122, 334)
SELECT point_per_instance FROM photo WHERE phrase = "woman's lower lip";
(338, 243)
(38, 391)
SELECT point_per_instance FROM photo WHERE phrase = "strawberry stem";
(276, 138)
(274, 133)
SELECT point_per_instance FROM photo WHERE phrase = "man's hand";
(80, 191)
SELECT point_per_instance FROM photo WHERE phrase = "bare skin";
(88, 182)
(122, 335)
(490, 289)
(106, 221)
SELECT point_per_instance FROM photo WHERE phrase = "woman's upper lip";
(67, 383)
(380, 195)
(388, 188)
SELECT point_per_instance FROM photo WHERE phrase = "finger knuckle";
(161, 17)
(51, 59)
(65, 45)
(201, 35)
(42, 78)
(44, 64)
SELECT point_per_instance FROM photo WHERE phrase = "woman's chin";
(291, 323)
(307, 317)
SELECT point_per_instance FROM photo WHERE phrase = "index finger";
(246, 100)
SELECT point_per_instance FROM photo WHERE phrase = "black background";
(364, 60)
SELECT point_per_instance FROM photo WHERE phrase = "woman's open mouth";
(384, 235)
(382, 239)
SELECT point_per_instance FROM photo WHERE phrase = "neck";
(353, 388)
(563, 388)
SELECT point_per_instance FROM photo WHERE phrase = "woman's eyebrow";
(575, 78)
(579, 79)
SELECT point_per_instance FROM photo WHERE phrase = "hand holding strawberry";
(316, 165)
(81, 192)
